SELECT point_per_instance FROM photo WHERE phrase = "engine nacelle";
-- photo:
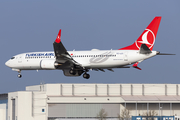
(47, 64)
(78, 72)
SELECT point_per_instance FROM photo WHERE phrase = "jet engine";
(47, 64)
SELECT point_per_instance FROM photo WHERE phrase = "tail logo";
(59, 37)
(147, 38)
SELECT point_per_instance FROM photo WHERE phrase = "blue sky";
(28, 26)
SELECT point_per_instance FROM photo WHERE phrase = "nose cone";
(7, 63)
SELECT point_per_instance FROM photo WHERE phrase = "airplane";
(76, 63)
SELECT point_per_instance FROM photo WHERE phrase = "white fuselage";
(93, 59)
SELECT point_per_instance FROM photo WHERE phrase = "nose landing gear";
(19, 75)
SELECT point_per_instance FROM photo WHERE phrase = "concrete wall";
(111, 93)
(32, 104)
(144, 108)
(3, 106)
(3, 112)
(106, 89)
(28, 105)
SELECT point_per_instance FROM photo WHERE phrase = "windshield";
(12, 58)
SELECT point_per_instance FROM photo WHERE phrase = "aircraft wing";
(62, 56)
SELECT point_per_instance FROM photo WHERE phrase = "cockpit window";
(12, 58)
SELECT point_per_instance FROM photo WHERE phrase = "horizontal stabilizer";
(136, 66)
(144, 49)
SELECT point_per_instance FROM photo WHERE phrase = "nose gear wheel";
(19, 75)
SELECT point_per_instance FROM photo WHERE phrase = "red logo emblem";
(147, 38)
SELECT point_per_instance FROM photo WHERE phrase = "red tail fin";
(147, 37)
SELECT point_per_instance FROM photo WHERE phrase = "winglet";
(59, 49)
(58, 39)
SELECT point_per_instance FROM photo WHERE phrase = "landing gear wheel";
(19, 75)
(72, 72)
(86, 76)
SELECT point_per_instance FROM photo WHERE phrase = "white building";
(84, 101)
(3, 106)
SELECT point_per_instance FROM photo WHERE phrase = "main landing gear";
(74, 72)
(86, 76)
